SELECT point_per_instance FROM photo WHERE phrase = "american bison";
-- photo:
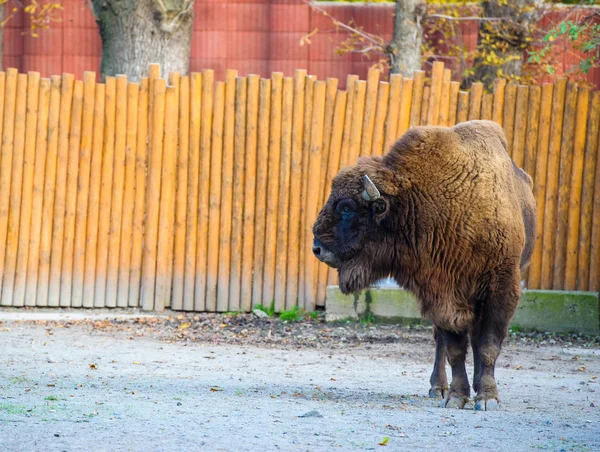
(448, 215)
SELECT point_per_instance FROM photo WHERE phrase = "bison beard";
(451, 218)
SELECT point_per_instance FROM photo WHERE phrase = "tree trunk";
(507, 39)
(136, 33)
(405, 47)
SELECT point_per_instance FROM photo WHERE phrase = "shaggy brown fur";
(454, 224)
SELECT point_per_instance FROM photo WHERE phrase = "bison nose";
(316, 250)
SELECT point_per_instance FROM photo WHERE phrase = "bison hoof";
(437, 392)
(487, 405)
(454, 400)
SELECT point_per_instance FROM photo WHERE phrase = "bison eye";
(346, 207)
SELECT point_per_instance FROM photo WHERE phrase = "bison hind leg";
(488, 334)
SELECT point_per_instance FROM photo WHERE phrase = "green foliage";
(292, 315)
(586, 38)
(270, 310)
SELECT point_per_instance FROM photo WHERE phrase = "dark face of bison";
(352, 232)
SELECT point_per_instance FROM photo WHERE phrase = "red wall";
(252, 36)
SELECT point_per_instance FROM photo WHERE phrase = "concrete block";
(540, 310)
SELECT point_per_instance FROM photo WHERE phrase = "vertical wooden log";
(344, 158)
(93, 209)
(549, 230)
(203, 190)
(521, 114)
(2, 100)
(435, 95)
(262, 158)
(487, 103)
(369, 114)
(539, 186)
(10, 103)
(475, 101)
(360, 89)
(141, 159)
(564, 186)
(153, 192)
(453, 107)
(462, 108)
(166, 218)
(268, 290)
(308, 108)
(533, 123)
(291, 297)
(330, 93)
(34, 96)
(83, 189)
(587, 194)
(66, 277)
(406, 96)
(284, 194)
(444, 117)
(594, 283)
(417, 98)
(224, 236)
(314, 169)
(425, 105)
(383, 95)
(183, 153)
(41, 146)
(127, 238)
(214, 213)
(60, 193)
(237, 222)
(116, 205)
(393, 109)
(508, 116)
(251, 142)
(574, 206)
(191, 228)
(105, 193)
(13, 195)
(325, 274)
(498, 110)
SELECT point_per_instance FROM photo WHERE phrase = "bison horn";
(370, 193)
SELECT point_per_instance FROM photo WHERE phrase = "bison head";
(354, 232)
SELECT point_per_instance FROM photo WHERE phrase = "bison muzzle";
(448, 215)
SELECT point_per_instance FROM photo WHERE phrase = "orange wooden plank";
(350, 89)
(368, 125)
(564, 186)
(444, 117)
(383, 95)
(475, 101)
(141, 152)
(93, 210)
(521, 114)
(224, 265)
(435, 96)
(587, 194)
(508, 116)
(60, 193)
(15, 190)
(539, 186)
(499, 91)
(237, 223)
(83, 188)
(33, 102)
(291, 298)
(417, 98)
(251, 141)
(191, 233)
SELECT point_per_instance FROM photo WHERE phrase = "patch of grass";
(314, 315)
(51, 397)
(234, 313)
(270, 311)
(9, 408)
(292, 315)
(515, 329)
(368, 318)
(19, 379)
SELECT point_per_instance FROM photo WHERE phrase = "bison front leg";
(487, 337)
(438, 380)
(456, 351)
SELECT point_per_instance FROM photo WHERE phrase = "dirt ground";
(223, 382)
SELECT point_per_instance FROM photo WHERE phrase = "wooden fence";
(200, 195)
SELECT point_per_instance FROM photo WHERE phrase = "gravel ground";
(235, 382)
